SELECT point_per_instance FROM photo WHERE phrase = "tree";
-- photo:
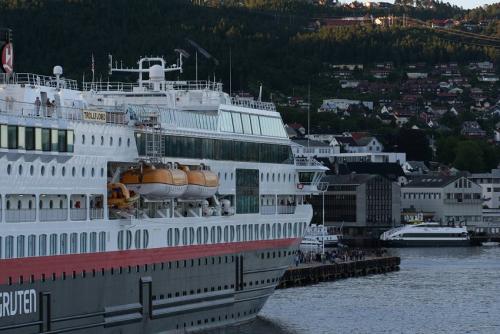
(469, 156)
(415, 144)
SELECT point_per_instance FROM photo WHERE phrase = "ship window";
(92, 172)
(247, 126)
(63, 244)
(129, 239)
(120, 240)
(212, 235)
(93, 242)
(19, 205)
(255, 124)
(110, 141)
(191, 235)
(145, 238)
(169, 237)
(9, 247)
(42, 245)
(12, 136)
(83, 139)
(262, 232)
(128, 142)
(244, 233)
(20, 246)
(184, 236)
(32, 170)
(102, 172)
(63, 171)
(256, 231)
(120, 141)
(176, 237)
(198, 235)
(69, 141)
(29, 138)
(73, 243)
(53, 244)
(238, 233)
(21, 143)
(102, 140)
(219, 234)
(226, 234)
(238, 128)
(53, 170)
(62, 141)
(102, 241)
(9, 169)
(137, 239)
(295, 231)
(31, 245)
(73, 171)
(83, 171)
(247, 191)
(92, 139)
(83, 242)
(46, 140)
(4, 136)
(20, 169)
(274, 231)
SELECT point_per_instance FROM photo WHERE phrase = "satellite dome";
(156, 73)
(58, 70)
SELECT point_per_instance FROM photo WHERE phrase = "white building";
(450, 198)
(398, 157)
(312, 148)
(335, 105)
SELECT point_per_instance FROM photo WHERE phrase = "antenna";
(260, 92)
(308, 112)
(230, 73)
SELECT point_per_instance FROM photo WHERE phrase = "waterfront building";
(360, 204)
(490, 186)
(452, 199)
(312, 148)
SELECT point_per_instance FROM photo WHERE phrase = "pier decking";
(311, 273)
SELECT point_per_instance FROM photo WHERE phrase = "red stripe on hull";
(49, 265)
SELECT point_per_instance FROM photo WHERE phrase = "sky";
(471, 3)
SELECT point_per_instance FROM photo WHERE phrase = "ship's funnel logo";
(8, 58)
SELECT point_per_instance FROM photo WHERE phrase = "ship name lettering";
(17, 303)
(98, 116)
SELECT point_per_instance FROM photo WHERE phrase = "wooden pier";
(306, 274)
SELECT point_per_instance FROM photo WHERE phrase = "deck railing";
(116, 86)
(32, 79)
(246, 103)
(48, 215)
(20, 215)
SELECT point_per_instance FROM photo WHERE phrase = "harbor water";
(437, 290)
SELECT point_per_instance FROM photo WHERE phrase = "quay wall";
(311, 274)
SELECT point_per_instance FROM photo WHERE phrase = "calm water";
(454, 290)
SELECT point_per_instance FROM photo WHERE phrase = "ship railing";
(47, 215)
(96, 213)
(279, 209)
(246, 103)
(116, 86)
(34, 80)
(20, 215)
(78, 214)
(307, 162)
(115, 115)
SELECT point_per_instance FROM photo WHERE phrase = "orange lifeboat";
(201, 183)
(120, 197)
(156, 183)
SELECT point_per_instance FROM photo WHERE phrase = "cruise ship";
(153, 207)
(429, 234)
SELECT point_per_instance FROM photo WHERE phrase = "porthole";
(63, 171)
(92, 172)
(128, 142)
(83, 171)
(20, 169)
(102, 172)
(9, 169)
(73, 171)
(42, 170)
(267, 177)
(261, 177)
(225, 176)
(102, 140)
(32, 170)
(110, 141)
(273, 177)
(53, 170)
(120, 141)
(93, 139)
(83, 139)
(232, 176)
(279, 177)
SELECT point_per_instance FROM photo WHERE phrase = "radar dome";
(58, 70)
(156, 73)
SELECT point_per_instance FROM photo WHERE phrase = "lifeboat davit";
(156, 183)
(120, 197)
(201, 183)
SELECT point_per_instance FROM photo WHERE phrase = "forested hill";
(267, 47)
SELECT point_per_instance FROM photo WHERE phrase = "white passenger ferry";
(426, 234)
(162, 206)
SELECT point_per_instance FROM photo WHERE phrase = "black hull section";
(427, 243)
(166, 297)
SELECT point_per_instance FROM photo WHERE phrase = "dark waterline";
(437, 290)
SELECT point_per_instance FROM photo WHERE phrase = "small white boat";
(321, 233)
(490, 244)
(309, 244)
